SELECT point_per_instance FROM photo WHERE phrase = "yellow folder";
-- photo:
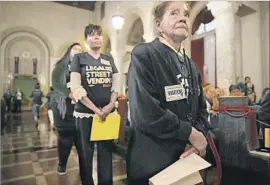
(107, 130)
(267, 137)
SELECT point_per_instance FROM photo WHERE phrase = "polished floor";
(29, 155)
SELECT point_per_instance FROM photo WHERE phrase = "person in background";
(95, 86)
(235, 91)
(36, 98)
(63, 106)
(220, 92)
(211, 100)
(252, 98)
(167, 107)
(249, 86)
(242, 86)
(8, 98)
(49, 109)
(19, 100)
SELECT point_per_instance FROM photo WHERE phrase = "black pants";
(19, 105)
(66, 138)
(85, 149)
(8, 104)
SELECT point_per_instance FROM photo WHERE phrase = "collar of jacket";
(162, 40)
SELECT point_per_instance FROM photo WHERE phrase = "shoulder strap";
(194, 90)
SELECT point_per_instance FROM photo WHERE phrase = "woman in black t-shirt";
(62, 103)
(95, 87)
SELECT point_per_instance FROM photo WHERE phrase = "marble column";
(2, 67)
(149, 28)
(224, 13)
(148, 37)
(238, 50)
(118, 52)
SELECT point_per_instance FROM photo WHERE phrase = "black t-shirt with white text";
(96, 78)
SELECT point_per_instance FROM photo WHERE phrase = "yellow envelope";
(107, 130)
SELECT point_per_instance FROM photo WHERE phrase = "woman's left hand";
(108, 108)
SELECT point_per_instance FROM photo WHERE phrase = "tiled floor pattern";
(29, 156)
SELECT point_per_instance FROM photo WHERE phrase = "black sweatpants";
(66, 129)
(66, 138)
(85, 149)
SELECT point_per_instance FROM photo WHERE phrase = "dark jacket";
(160, 129)
(264, 111)
(62, 106)
(36, 96)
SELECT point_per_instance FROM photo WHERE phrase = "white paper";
(179, 170)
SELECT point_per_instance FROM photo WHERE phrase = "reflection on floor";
(29, 156)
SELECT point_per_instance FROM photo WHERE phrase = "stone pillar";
(118, 53)
(150, 31)
(238, 50)
(149, 36)
(224, 13)
(2, 67)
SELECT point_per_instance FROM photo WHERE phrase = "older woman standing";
(166, 101)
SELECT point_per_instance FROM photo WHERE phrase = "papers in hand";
(183, 172)
(105, 130)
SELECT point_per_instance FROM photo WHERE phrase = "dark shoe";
(61, 170)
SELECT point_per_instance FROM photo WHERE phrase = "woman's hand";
(100, 113)
(107, 109)
(198, 141)
(188, 152)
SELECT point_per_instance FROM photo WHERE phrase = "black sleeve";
(264, 111)
(114, 68)
(75, 64)
(202, 123)
(145, 108)
(56, 76)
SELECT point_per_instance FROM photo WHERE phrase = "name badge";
(105, 62)
(175, 92)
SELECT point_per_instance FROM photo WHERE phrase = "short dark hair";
(233, 87)
(51, 88)
(37, 86)
(90, 28)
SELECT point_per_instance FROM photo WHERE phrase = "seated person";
(235, 91)
(249, 88)
(220, 92)
(210, 97)
(252, 99)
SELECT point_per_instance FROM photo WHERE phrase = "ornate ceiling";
(87, 5)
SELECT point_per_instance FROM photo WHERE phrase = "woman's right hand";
(198, 140)
(101, 114)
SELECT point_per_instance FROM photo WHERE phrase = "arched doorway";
(203, 45)
(135, 36)
(25, 57)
